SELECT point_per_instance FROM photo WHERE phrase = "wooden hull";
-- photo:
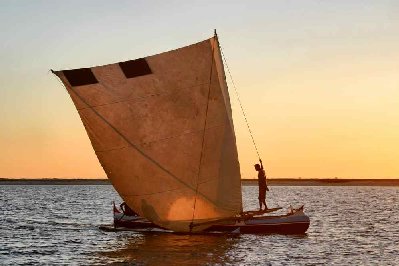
(293, 223)
(297, 223)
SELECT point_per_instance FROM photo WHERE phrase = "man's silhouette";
(127, 211)
(262, 184)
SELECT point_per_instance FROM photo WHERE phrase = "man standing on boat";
(262, 184)
(126, 210)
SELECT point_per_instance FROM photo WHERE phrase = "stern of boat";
(294, 222)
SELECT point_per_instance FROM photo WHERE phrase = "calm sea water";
(59, 225)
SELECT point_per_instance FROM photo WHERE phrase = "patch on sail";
(79, 77)
(135, 68)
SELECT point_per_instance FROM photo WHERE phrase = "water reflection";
(59, 225)
(174, 249)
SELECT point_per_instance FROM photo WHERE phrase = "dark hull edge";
(282, 228)
(285, 228)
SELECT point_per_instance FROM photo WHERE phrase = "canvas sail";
(162, 129)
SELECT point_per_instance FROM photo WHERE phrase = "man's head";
(257, 167)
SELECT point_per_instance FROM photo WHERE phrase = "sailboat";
(162, 129)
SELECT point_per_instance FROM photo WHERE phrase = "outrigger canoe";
(250, 222)
(162, 129)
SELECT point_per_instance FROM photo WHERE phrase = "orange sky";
(319, 81)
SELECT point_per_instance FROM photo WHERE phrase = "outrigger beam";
(242, 217)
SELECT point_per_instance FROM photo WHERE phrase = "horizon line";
(244, 179)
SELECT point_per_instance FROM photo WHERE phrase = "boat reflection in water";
(174, 249)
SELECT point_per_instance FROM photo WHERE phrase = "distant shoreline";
(327, 182)
(53, 181)
(271, 182)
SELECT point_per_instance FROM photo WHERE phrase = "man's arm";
(261, 165)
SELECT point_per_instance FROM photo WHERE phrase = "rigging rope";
(239, 101)
(241, 106)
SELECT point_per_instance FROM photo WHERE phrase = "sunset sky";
(319, 80)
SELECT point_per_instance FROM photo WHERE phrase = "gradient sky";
(319, 79)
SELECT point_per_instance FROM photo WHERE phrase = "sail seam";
(203, 137)
(140, 151)
(140, 98)
(160, 140)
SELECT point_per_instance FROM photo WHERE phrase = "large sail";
(162, 129)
